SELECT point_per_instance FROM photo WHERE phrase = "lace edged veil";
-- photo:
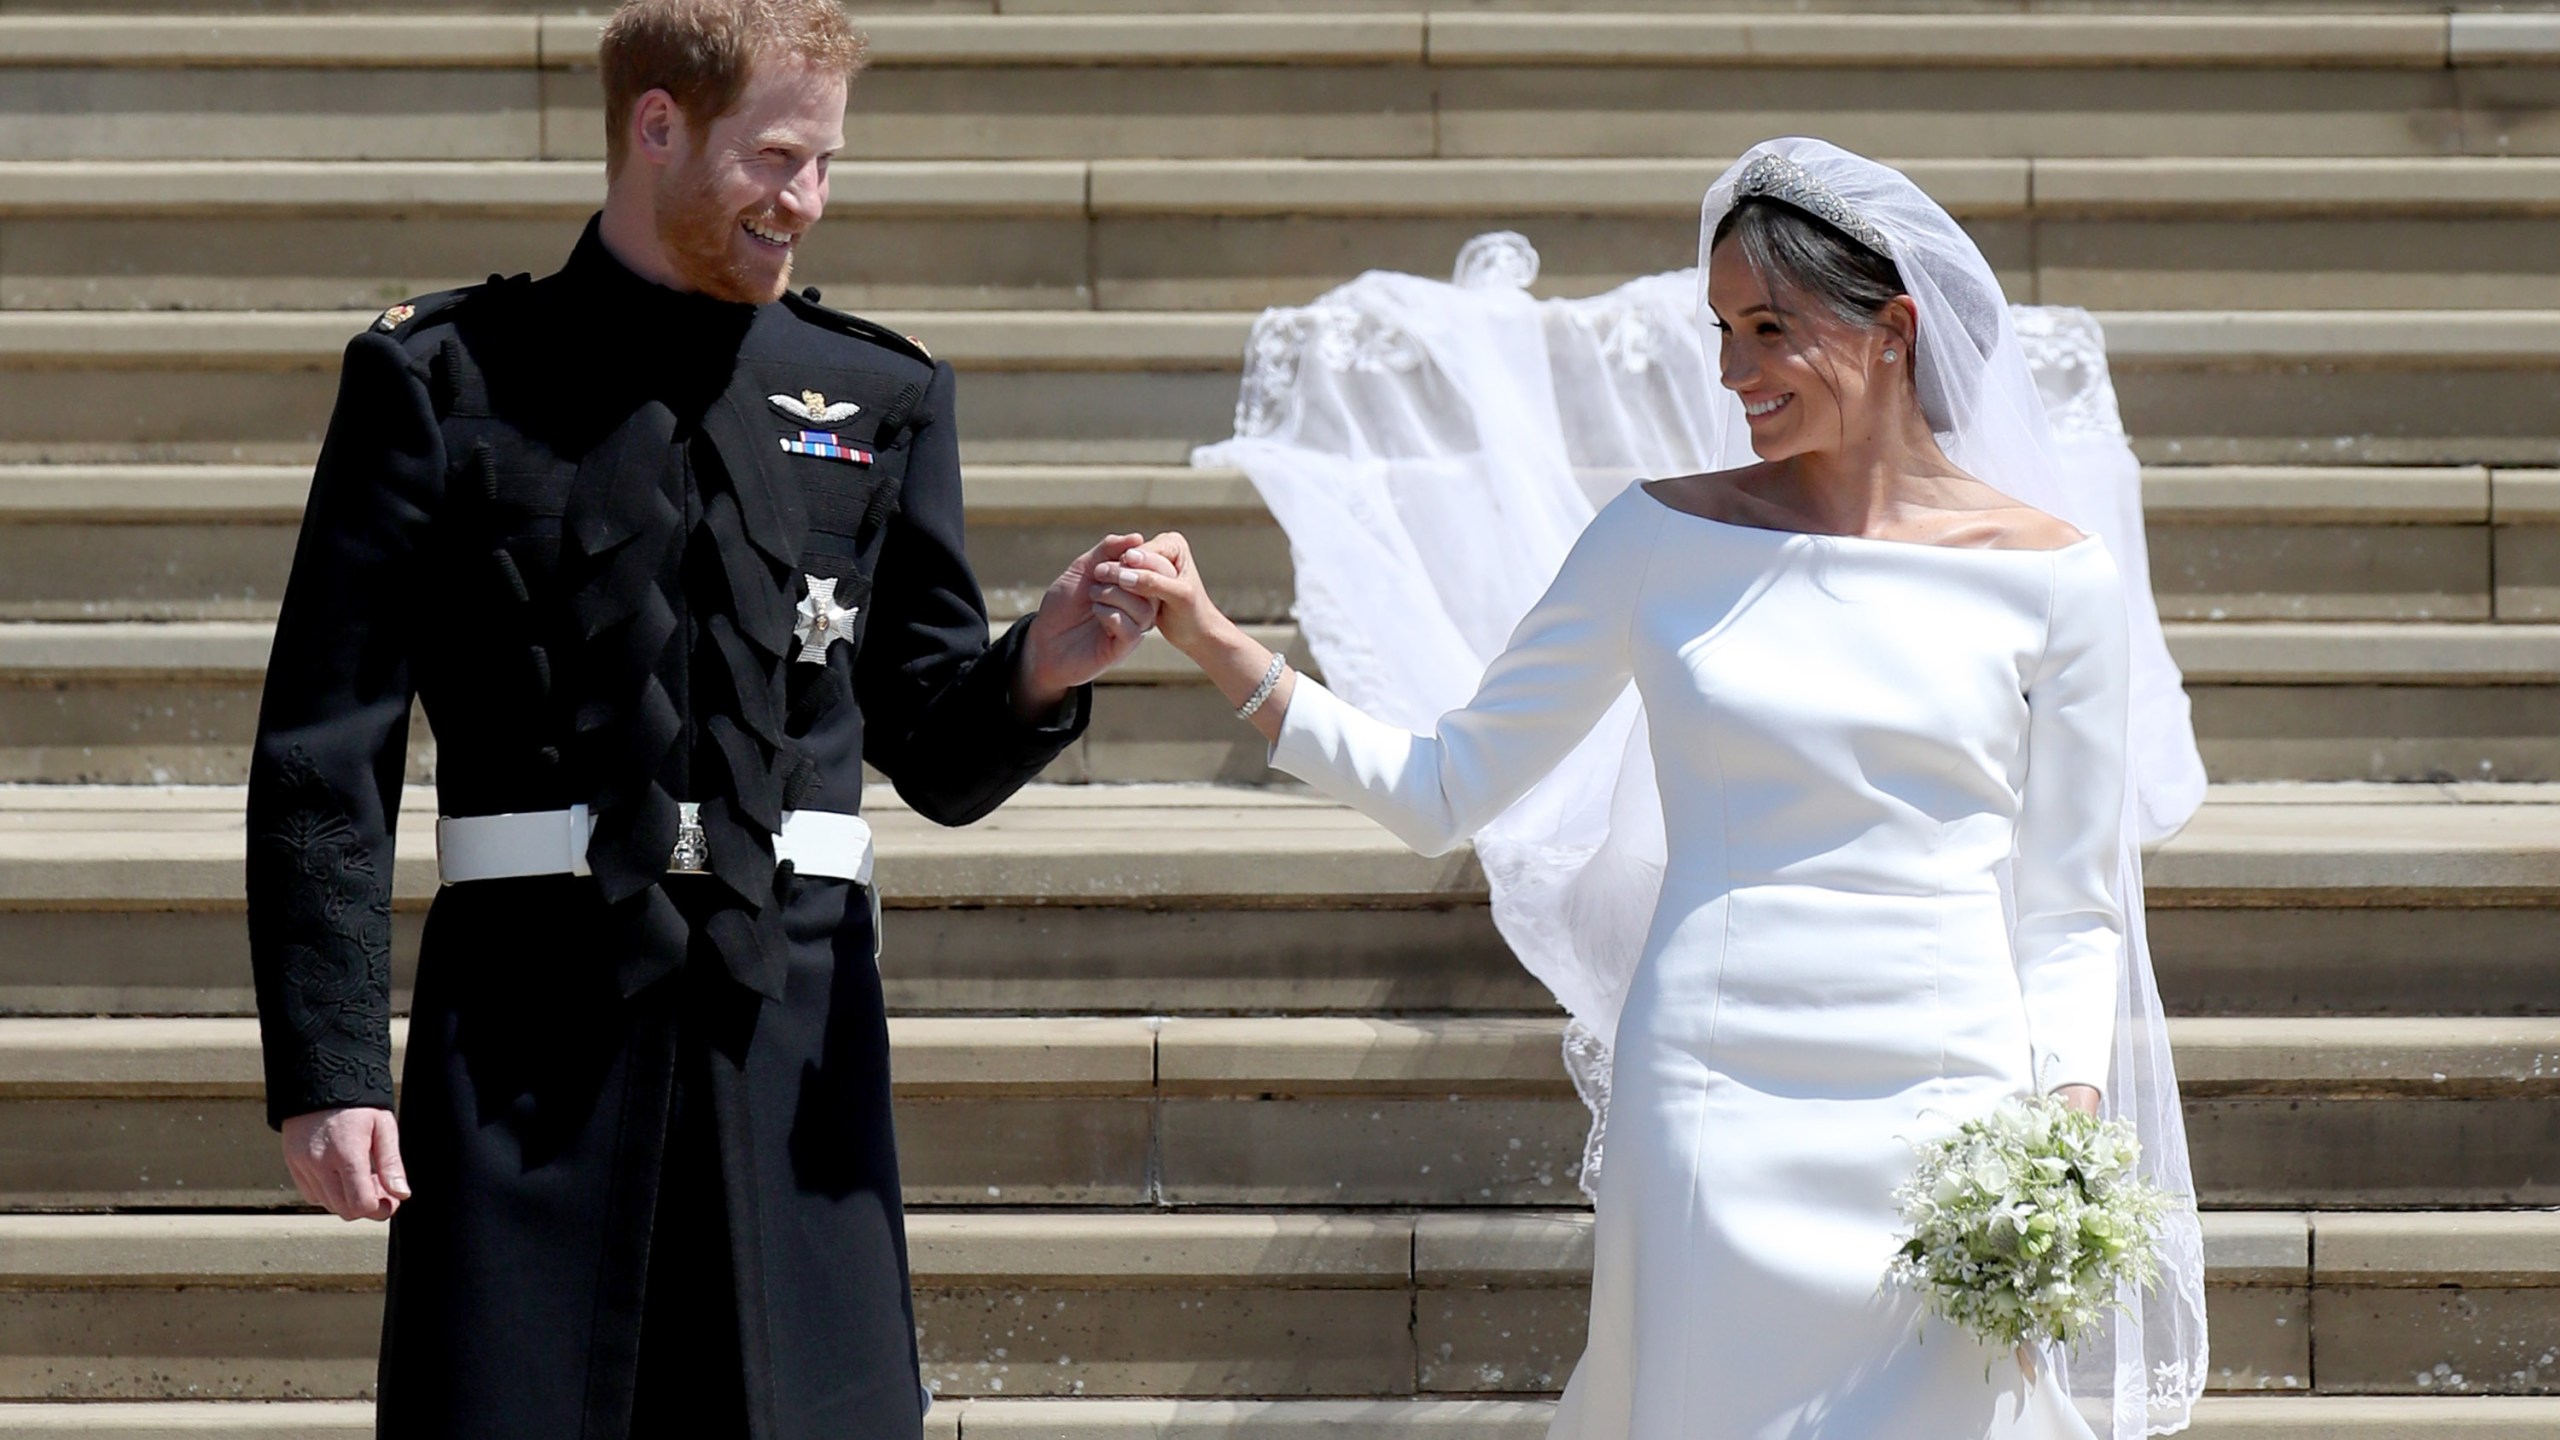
(1432, 450)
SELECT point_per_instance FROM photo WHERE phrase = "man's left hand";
(1082, 629)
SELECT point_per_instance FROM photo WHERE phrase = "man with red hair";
(668, 553)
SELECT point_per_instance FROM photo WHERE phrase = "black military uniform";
(645, 1115)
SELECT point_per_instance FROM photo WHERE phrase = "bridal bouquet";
(2025, 1222)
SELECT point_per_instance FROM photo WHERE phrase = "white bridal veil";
(1432, 450)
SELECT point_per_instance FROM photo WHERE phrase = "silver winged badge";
(811, 408)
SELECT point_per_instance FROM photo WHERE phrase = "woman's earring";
(1891, 355)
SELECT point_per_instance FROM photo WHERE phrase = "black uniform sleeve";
(936, 696)
(324, 779)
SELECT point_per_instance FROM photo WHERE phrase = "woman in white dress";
(1887, 709)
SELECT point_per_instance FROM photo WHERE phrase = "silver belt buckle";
(692, 853)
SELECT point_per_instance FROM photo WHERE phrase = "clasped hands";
(347, 1161)
(1102, 607)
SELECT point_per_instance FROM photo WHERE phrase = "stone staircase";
(1223, 1115)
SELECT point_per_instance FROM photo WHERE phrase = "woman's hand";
(2083, 1098)
(1163, 573)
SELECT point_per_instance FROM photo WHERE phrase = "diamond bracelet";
(1262, 692)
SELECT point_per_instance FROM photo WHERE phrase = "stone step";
(2277, 900)
(2356, 543)
(137, 702)
(2197, 387)
(2220, 1417)
(1114, 1112)
(213, 542)
(1453, 83)
(1213, 1305)
(2228, 543)
(121, 702)
(2113, 234)
(1316, 1110)
(2478, 34)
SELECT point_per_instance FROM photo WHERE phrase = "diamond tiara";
(1775, 177)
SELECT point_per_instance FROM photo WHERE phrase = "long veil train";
(1433, 449)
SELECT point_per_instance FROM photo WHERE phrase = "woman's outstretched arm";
(1567, 662)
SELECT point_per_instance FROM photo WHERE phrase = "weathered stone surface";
(2470, 1341)
(2357, 961)
(195, 1420)
(2376, 732)
(1256, 1419)
(176, 702)
(1499, 1342)
(1167, 732)
(2312, 411)
(238, 1252)
(80, 570)
(1449, 1151)
(1197, 961)
(318, 41)
(1647, 110)
(1224, 234)
(1527, 1341)
(83, 1153)
(1009, 960)
(63, 113)
(194, 1343)
(2214, 261)
(1360, 1055)
(2302, 1152)
(1191, 1251)
(860, 261)
(961, 112)
(117, 847)
(2217, 572)
(146, 962)
(2527, 563)
(2434, 1057)
(1133, 386)
(2511, 1250)
(1024, 1151)
(74, 1153)
(2312, 495)
(1166, 1342)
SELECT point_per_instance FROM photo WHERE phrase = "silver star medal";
(822, 621)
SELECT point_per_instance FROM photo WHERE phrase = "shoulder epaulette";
(805, 304)
(409, 315)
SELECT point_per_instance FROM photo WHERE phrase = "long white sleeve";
(1567, 662)
(2071, 918)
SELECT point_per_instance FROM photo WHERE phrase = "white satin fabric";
(1432, 450)
(1850, 738)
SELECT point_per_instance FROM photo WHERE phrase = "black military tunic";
(645, 1115)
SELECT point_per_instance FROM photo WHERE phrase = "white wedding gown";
(1868, 752)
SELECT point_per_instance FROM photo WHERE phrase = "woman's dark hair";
(1784, 243)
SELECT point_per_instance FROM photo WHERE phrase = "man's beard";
(698, 234)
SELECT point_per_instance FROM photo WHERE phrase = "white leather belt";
(554, 842)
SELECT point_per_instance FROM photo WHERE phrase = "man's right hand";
(347, 1162)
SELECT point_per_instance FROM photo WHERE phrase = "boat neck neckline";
(1869, 540)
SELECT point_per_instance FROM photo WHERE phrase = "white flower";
(2028, 1222)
